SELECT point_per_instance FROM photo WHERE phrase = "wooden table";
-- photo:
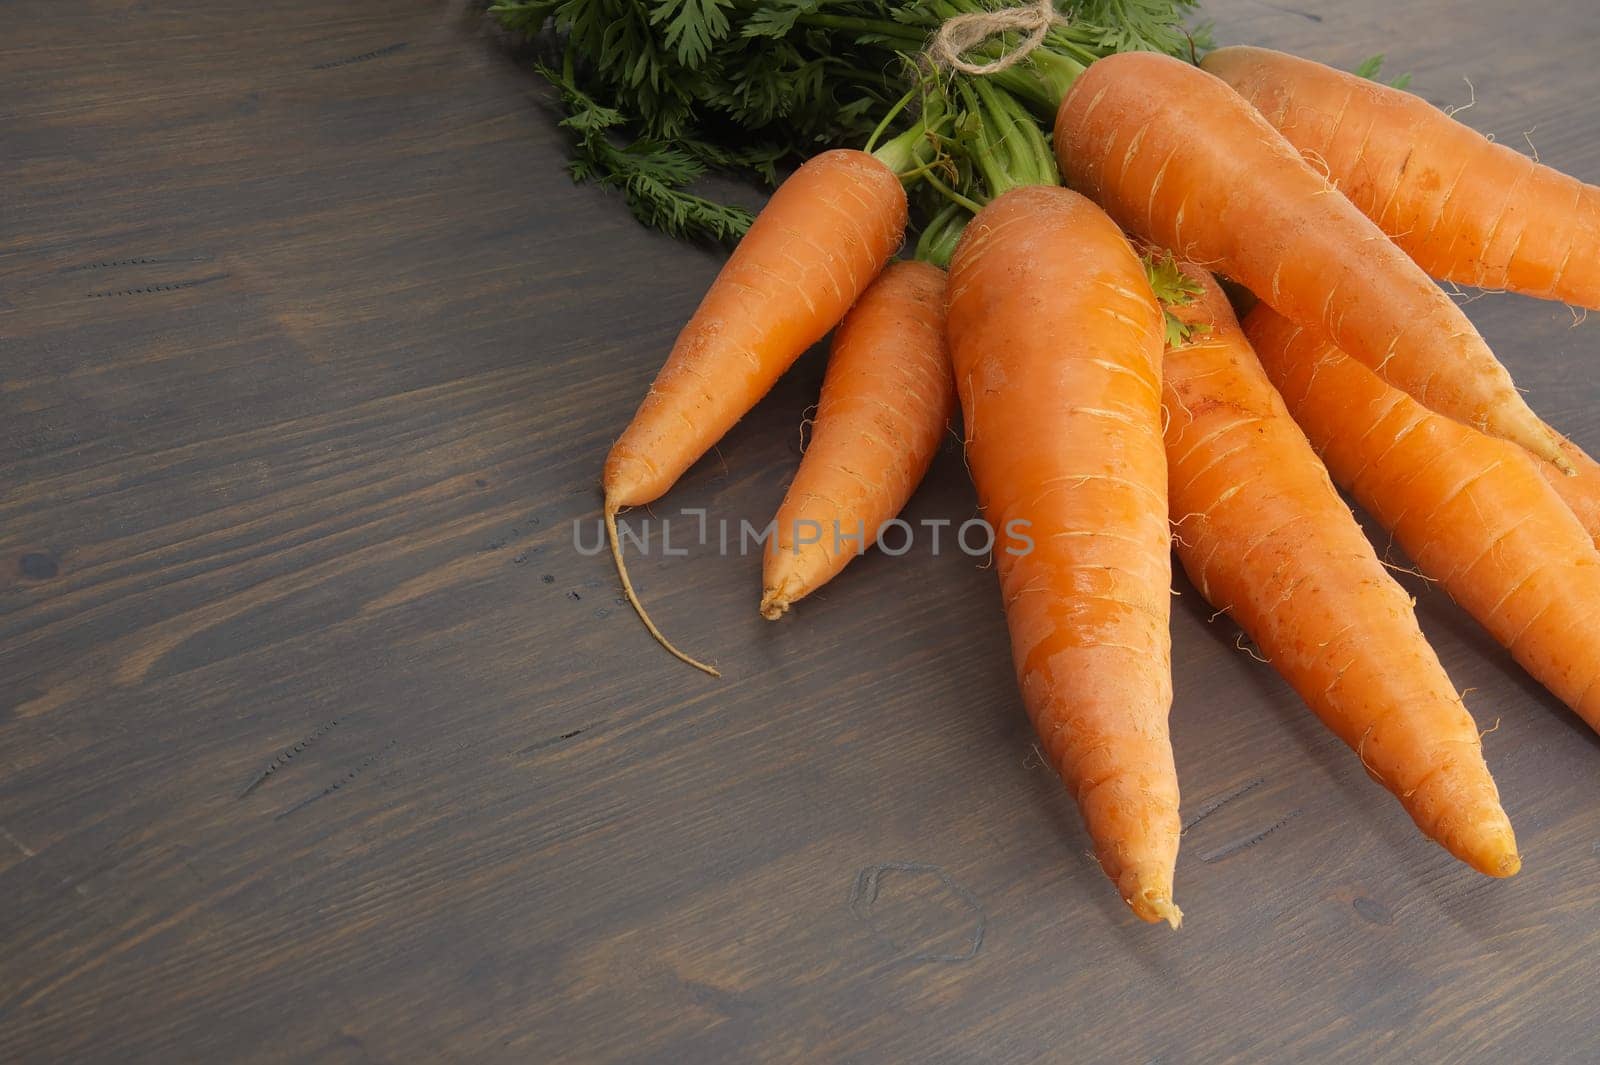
(311, 354)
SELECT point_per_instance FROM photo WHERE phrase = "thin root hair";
(1362, 754)
(638, 607)
(1318, 162)
(1404, 569)
(806, 420)
(1187, 413)
(1472, 101)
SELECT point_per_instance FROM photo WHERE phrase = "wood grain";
(311, 355)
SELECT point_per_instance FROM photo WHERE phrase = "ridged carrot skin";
(825, 234)
(1056, 340)
(1179, 158)
(1265, 537)
(1580, 491)
(1472, 512)
(1466, 209)
(886, 402)
(815, 247)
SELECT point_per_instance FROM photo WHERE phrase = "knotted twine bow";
(964, 32)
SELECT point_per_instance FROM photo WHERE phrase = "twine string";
(962, 33)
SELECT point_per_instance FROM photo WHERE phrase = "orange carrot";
(1466, 209)
(815, 247)
(886, 401)
(1177, 157)
(1472, 512)
(1056, 342)
(1266, 538)
(1580, 491)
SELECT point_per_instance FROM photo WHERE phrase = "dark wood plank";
(311, 355)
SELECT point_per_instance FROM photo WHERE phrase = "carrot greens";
(657, 95)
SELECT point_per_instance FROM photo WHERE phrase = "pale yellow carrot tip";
(775, 602)
(1546, 445)
(1151, 898)
(1491, 849)
(1164, 910)
(1507, 861)
(633, 598)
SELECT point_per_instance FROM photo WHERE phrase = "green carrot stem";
(883, 28)
(889, 116)
(933, 237)
(933, 180)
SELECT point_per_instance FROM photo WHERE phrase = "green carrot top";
(657, 94)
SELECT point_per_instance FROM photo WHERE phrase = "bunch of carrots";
(1112, 400)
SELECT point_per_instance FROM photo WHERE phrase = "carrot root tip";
(774, 605)
(1547, 445)
(633, 597)
(1149, 895)
(1156, 908)
(1489, 847)
(1166, 910)
(781, 593)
